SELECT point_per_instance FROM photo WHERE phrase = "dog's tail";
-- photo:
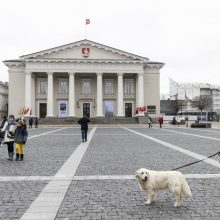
(185, 188)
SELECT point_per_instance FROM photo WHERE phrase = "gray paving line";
(95, 177)
(114, 134)
(195, 135)
(205, 129)
(47, 204)
(177, 148)
(64, 134)
(45, 133)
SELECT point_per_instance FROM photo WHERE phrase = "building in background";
(186, 92)
(83, 77)
(3, 99)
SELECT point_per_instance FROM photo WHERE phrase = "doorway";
(86, 109)
(109, 108)
(128, 109)
(43, 110)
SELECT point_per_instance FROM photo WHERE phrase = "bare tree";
(201, 102)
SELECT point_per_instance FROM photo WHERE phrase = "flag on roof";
(87, 21)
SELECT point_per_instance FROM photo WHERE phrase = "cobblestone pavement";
(16, 197)
(113, 150)
(119, 199)
(44, 154)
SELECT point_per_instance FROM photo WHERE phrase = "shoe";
(21, 157)
(10, 156)
(17, 157)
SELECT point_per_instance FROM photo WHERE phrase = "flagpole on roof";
(87, 21)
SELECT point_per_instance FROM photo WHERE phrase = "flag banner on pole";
(87, 21)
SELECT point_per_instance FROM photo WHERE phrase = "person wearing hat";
(9, 129)
(20, 139)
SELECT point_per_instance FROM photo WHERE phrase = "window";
(108, 87)
(43, 87)
(63, 87)
(151, 109)
(86, 87)
(129, 87)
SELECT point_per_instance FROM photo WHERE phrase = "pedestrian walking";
(84, 127)
(30, 122)
(20, 139)
(160, 121)
(178, 120)
(2, 133)
(36, 122)
(149, 122)
(9, 129)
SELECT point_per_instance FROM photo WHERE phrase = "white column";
(71, 95)
(120, 95)
(28, 82)
(141, 91)
(50, 112)
(33, 95)
(99, 112)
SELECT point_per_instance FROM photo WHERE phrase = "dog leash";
(218, 153)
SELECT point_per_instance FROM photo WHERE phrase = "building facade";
(188, 91)
(3, 99)
(83, 77)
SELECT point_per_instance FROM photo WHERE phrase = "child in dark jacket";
(20, 139)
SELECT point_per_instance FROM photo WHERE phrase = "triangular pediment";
(84, 49)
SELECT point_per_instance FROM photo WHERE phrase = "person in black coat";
(30, 122)
(84, 127)
(36, 122)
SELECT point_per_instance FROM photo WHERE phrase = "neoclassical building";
(83, 77)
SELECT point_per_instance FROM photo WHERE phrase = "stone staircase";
(71, 121)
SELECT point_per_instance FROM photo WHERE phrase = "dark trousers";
(30, 125)
(36, 125)
(160, 125)
(84, 134)
(10, 146)
(150, 126)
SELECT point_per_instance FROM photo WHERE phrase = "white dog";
(153, 181)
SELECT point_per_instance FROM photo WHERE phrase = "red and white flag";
(87, 21)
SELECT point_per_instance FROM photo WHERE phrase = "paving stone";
(129, 202)
(44, 155)
(17, 196)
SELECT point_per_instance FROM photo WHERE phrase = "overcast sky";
(184, 34)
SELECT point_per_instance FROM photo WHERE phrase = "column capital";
(140, 74)
(28, 73)
(99, 73)
(71, 73)
(50, 73)
(120, 74)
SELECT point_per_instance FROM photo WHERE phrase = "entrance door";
(86, 109)
(109, 108)
(128, 109)
(43, 110)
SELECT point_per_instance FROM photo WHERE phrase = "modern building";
(3, 99)
(83, 77)
(188, 91)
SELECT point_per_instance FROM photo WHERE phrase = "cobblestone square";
(63, 178)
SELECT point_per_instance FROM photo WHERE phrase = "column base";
(99, 116)
(50, 116)
(71, 116)
(120, 116)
